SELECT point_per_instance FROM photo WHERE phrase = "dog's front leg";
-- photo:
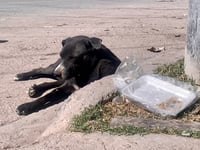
(47, 72)
(38, 90)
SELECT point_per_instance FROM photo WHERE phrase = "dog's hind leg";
(38, 90)
(47, 72)
(57, 95)
(51, 98)
(54, 97)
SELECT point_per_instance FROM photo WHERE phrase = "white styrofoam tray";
(159, 96)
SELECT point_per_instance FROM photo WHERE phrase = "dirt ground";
(35, 40)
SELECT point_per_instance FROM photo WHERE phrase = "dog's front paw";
(25, 109)
(20, 77)
(35, 91)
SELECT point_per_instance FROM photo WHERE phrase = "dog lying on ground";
(82, 60)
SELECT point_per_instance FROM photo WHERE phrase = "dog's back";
(94, 65)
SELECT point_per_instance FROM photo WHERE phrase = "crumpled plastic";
(129, 72)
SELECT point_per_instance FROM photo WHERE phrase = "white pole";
(192, 52)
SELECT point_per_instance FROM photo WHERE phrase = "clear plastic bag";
(127, 72)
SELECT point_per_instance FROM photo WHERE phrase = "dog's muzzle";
(59, 69)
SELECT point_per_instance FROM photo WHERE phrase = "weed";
(175, 70)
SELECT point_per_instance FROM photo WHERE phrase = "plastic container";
(159, 96)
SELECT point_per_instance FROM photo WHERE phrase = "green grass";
(90, 120)
(175, 70)
(97, 118)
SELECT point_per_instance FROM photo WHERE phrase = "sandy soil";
(35, 40)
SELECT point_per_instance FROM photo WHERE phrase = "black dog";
(83, 60)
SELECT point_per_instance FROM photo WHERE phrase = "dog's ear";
(95, 42)
(66, 40)
(63, 42)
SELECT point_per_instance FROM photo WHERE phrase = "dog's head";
(73, 51)
(76, 46)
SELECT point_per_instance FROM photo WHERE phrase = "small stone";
(156, 50)
(177, 35)
(186, 133)
(118, 99)
(8, 96)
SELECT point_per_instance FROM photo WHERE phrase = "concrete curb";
(87, 96)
